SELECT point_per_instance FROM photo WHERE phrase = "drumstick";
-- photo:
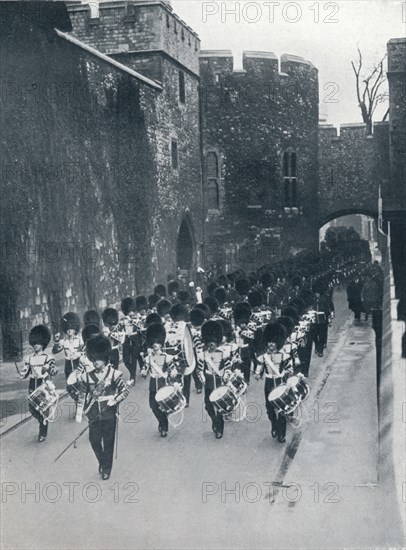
(18, 370)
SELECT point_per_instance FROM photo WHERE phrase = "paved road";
(319, 490)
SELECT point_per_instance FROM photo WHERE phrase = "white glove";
(111, 402)
(79, 416)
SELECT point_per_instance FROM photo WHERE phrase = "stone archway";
(185, 246)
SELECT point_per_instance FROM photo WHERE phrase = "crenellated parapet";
(136, 27)
(352, 167)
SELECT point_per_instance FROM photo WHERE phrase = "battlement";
(349, 131)
(256, 62)
(136, 27)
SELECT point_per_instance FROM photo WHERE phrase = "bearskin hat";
(298, 304)
(98, 348)
(296, 280)
(276, 333)
(141, 302)
(231, 278)
(252, 276)
(91, 317)
(307, 296)
(221, 295)
(242, 286)
(212, 304)
(156, 334)
(163, 307)
(197, 317)
(227, 329)
(184, 297)
(291, 312)
(179, 312)
(90, 331)
(242, 313)
(152, 318)
(287, 323)
(320, 286)
(212, 331)
(211, 287)
(160, 290)
(127, 305)
(255, 298)
(222, 280)
(173, 286)
(153, 299)
(110, 316)
(267, 280)
(41, 335)
(70, 321)
(204, 308)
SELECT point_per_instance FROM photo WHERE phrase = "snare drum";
(44, 399)
(224, 399)
(302, 387)
(72, 386)
(170, 399)
(237, 383)
(283, 399)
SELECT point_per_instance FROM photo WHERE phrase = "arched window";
(213, 181)
(290, 178)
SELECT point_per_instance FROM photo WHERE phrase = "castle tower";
(150, 38)
(260, 127)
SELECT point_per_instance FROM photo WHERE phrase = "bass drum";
(189, 351)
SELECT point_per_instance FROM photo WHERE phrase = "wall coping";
(289, 58)
(216, 53)
(259, 54)
(108, 60)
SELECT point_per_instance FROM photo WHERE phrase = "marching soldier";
(158, 365)
(274, 366)
(101, 390)
(39, 366)
(72, 344)
(110, 329)
(213, 365)
(132, 346)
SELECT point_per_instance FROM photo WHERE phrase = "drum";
(237, 383)
(300, 385)
(283, 399)
(44, 400)
(224, 399)
(170, 399)
(72, 386)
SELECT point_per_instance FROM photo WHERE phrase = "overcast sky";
(325, 33)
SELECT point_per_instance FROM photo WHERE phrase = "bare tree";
(369, 90)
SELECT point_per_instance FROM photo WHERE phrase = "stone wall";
(137, 27)
(352, 165)
(86, 179)
(250, 118)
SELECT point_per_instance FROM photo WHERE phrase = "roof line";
(108, 59)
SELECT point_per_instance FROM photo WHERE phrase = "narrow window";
(182, 90)
(174, 153)
(290, 179)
